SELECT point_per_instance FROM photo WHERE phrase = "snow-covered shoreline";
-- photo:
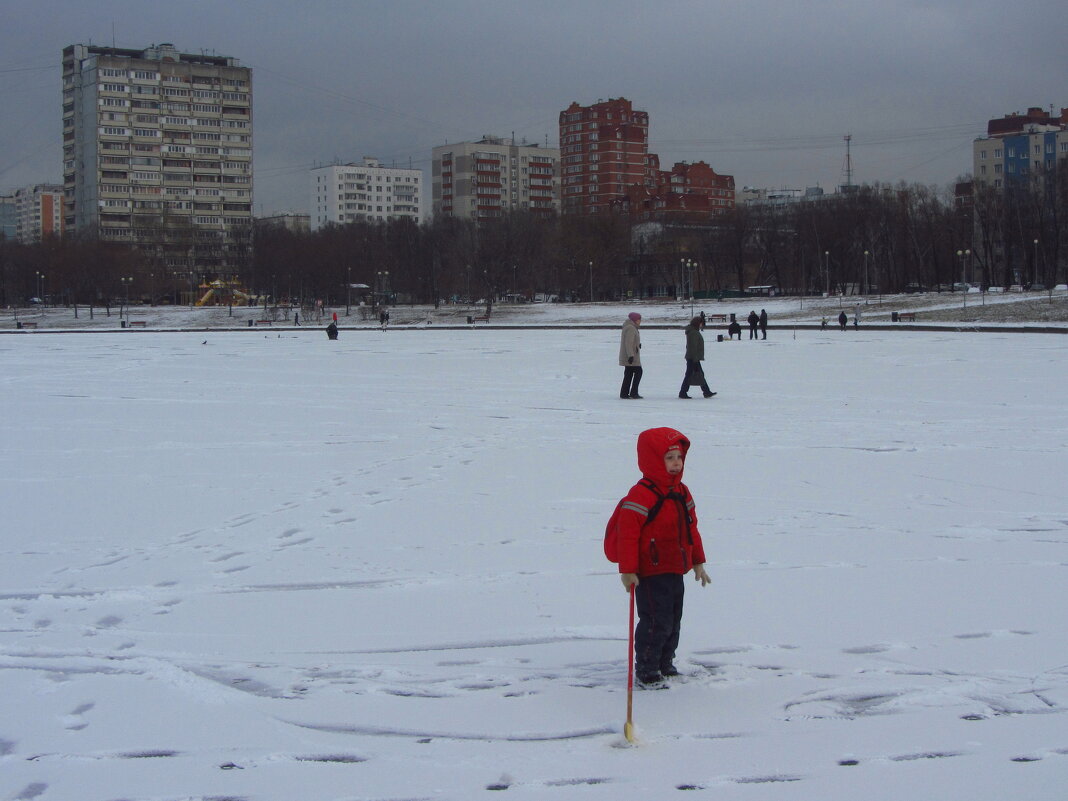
(945, 309)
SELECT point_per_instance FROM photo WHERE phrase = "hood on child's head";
(653, 445)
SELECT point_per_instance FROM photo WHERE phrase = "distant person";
(331, 330)
(823, 323)
(695, 354)
(753, 322)
(630, 357)
(763, 324)
(296, 317)
(734, 328)
(856, 318)
(842, 320)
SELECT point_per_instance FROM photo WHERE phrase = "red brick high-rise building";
(691, 189)
(603, 150)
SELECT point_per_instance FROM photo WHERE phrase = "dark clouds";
(759, 89)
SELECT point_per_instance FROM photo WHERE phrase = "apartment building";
(603, 154)
(367, 191)
(294, 222)
(157, 154)
(482, 180)
(7, 217)
(689, 189)
(1020, 147)
(38, 212)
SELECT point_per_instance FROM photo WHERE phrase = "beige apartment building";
(482, 180)
(38, 212)
(157, 154)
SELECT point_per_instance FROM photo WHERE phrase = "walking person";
(658, 545)
(842, 320)
(630, 357)
(753, 321)
(763, 324)
(695, 354)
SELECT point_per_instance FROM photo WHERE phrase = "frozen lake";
(267, 566)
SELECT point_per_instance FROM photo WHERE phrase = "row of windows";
(359, 176)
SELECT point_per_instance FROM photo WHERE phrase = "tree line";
(874, 238)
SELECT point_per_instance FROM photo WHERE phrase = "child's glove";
(629, 580)
(630, 360)
(699, 574)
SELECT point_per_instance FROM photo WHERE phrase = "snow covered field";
(265, 566)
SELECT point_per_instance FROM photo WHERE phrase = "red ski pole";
(628, 727)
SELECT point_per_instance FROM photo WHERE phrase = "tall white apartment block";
(38, 212)
(481, 180)
(157, 153)
(344, 193)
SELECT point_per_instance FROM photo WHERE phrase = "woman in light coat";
(630, 356)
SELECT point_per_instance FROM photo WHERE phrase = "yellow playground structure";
(225, 293)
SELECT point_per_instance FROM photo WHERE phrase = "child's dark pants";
(659, 602)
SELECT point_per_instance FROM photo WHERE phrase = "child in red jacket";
(655, 554)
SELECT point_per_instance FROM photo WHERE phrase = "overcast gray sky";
(759, 90)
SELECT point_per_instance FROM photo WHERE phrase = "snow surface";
(265, 566)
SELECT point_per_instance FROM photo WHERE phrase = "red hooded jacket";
(671, 543)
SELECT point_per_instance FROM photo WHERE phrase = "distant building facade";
(291, 221)
(603, 154)
(367, 191)
(759, 196)
(484, 179)
(694, 190)
(1020, 147)
(7, 217)
(157, 153)
(38, 212)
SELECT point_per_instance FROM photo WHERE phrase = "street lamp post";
(827, 273)
(867, 286)
(382, 282)
(348, 290)
(591, 282)
(693, 269)
(1036, 262)
(126, 283)
(963, 256)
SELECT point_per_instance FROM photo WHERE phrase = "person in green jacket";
(695, 354)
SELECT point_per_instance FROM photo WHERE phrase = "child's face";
(673, 462)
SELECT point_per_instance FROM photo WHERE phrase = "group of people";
(843, 320)
(756, 321)
(630, 358)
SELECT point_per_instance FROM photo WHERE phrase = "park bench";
(138, 323)
(716, 318)
(906, 317)
(264, 322)
(27, 325)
